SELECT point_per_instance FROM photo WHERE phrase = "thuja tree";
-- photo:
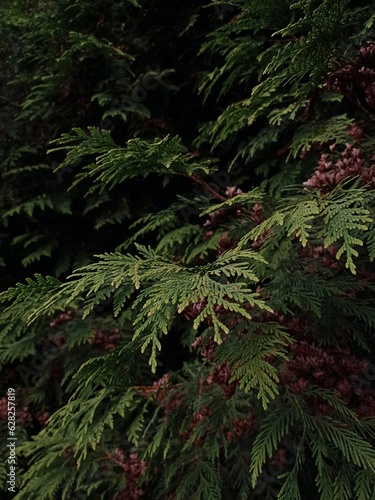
(240, 348)
(78, 64)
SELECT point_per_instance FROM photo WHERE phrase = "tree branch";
(207, 187)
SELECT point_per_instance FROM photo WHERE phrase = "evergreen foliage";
(192, 188)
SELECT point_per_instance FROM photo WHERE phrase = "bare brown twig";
(207, 186)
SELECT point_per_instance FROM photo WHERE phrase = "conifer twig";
(5, 99)
(207, 186)
(114, 459)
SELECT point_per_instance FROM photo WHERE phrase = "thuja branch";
(113, 459)
(147, 390)
(207, 187)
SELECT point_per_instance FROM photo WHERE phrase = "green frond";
(248, 360)
(335, 402)
(201, 480)
(345, 217)
(343, 484)
(290, 488)
(362, 309)
(370, 240)
(91, 419)
(113, 165)
(353, 447)
(273, 428)
(57, 202)
(202, 249)
(30, 293)
(80, 143)
(168, 288)
(169, 229)
(364, 486)
(325, 473)
(322, 132)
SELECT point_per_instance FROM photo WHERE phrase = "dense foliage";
(187, 248)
